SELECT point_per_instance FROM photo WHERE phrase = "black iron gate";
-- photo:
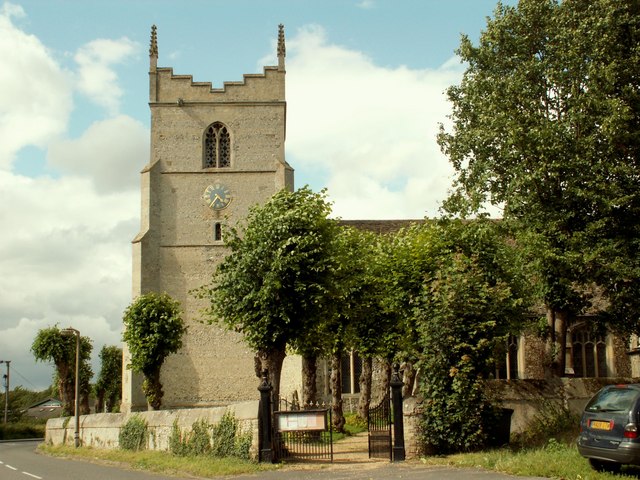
(291, 432)
(306, 434)
(379, 425)
(303, 435)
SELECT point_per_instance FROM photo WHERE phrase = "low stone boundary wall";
(527, 397)
(101, 430)
(524, 397)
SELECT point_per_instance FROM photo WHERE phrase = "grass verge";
(161, 462)
(556, 460)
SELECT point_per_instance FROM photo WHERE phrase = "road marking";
(9, 466)
(32, 475)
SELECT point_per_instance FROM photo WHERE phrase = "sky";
(365, 95)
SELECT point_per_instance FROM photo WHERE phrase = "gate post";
(398, 417)
(265, 453)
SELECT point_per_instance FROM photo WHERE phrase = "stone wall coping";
(532, 389)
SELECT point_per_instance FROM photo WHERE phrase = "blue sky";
(365, 82)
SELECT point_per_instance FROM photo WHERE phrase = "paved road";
(382, 471)
(18, 461)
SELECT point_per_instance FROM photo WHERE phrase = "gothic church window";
(217, 231)
(217, 146)
(588, 353)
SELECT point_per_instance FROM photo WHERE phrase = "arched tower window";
(217, 146)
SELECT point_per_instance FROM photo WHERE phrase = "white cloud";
(16, 341)
(66, 241)
(35, 93)
(111, 152)
(371, 129)
(66, 260)
(96, 77)
(12, 10)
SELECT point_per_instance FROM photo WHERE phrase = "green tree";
(52, 345)
(363, 319)
(545, 126)
(408, 260)
(153, 330)
(471, 300)
(348, 302)
(276, 284)
(108, 387)
(20, 399)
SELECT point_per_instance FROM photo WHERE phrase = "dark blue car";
(609, 435)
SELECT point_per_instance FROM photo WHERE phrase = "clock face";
(217, 196)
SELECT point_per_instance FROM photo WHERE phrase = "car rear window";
(613, 400)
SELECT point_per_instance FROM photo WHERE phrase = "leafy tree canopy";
(473, 295)
(109, 383)
(277, 279)
(153, 330)
(546, 127)
(54, 345)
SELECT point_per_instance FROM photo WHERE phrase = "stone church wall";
(176, 250)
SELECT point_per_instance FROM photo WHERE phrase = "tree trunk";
(365, 388)
(85, 409)
(557, 321)
(111, 401)
(309, 386)
(272, 362)
(408, 378)
(100, 394)
(385, 379)
(66, 389)
(550, 344)
(152, 389)
(562, 321)
(337, 414)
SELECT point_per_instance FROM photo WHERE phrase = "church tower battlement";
(214, 154)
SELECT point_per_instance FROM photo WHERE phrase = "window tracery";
(217, 146)
(589, 354)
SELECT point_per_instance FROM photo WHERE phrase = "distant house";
(48, 408)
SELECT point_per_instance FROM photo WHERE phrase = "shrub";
(133, 434)
(200, 438)
(224, 436)
(243, 445)
(221, 440)
(177, 445)
(22, 429)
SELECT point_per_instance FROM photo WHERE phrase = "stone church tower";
(215, 152)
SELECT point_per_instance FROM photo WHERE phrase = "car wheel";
(604, 466)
